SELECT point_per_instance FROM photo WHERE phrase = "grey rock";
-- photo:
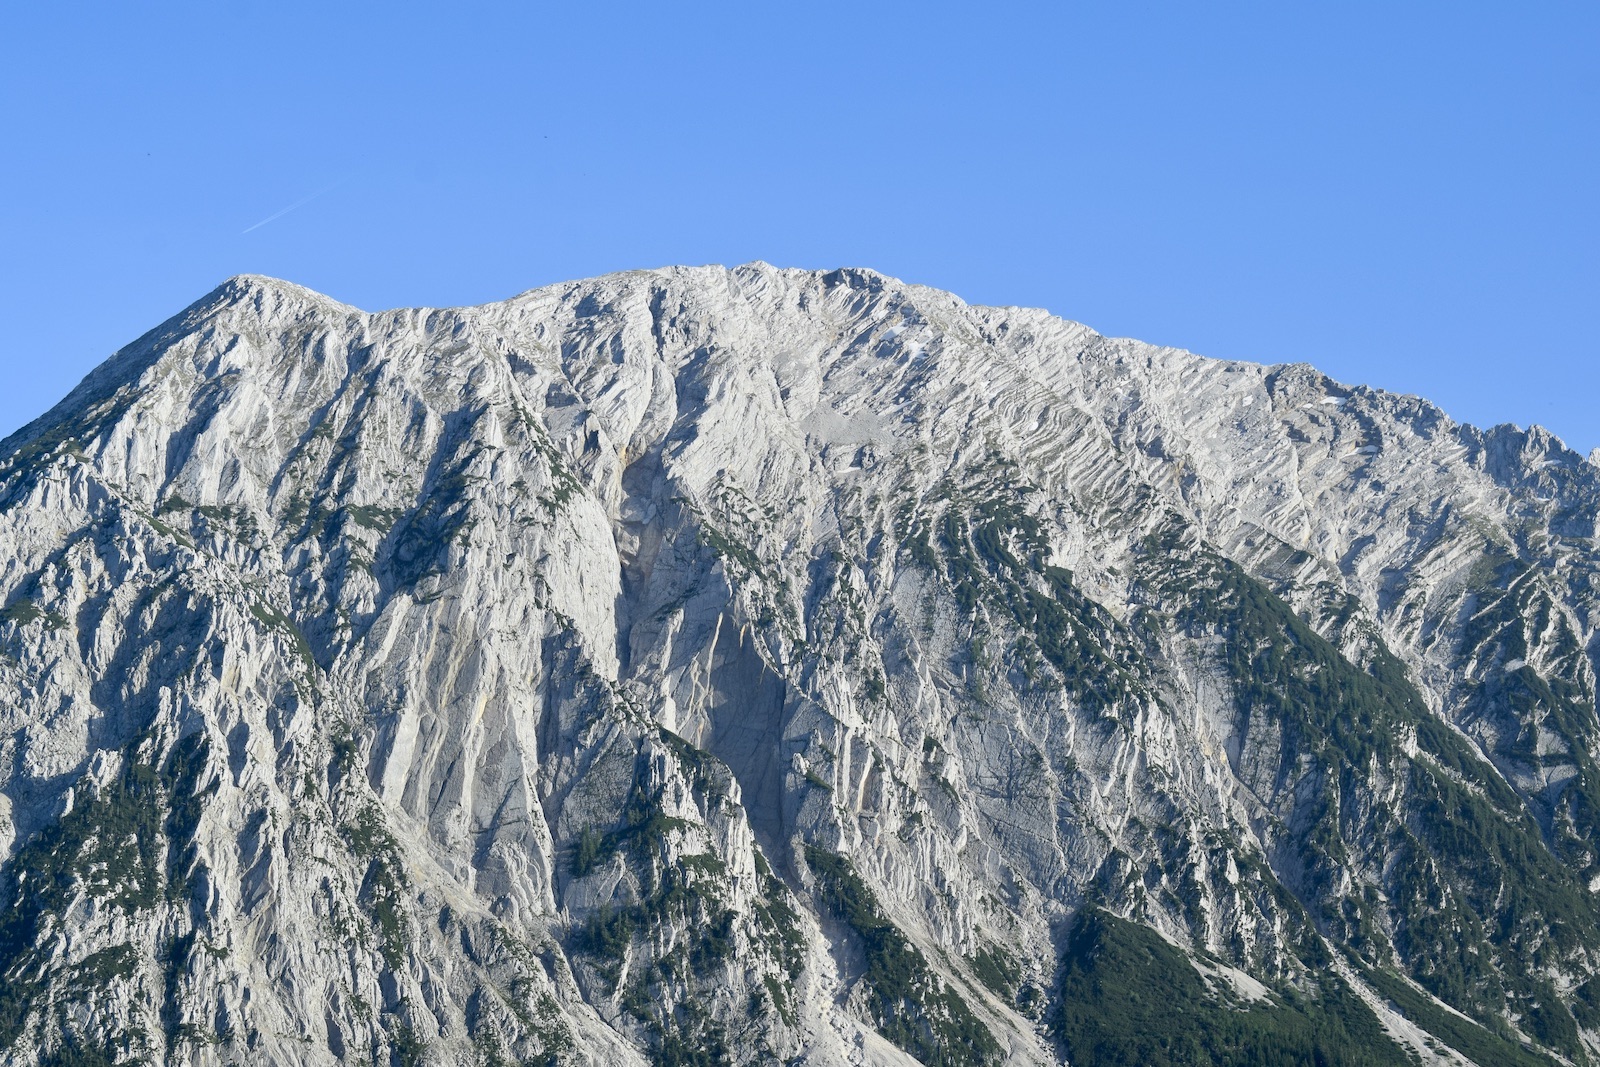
(481, 685)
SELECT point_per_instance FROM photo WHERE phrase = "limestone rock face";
(768, 666)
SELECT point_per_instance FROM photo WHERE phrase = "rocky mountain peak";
(705, 665)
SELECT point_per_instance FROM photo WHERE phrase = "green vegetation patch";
(1281, 668)
(23, 612)
(1127, 998)
(779, 926)
(675, 937)
(681, 1033)
(187, 801)
(709, 776)
(681, 894)
(1476, 1043)
(111, 847)
(272, 618)
(383, 887)
(992, 551)
(370, 517)
(1482, 911)
(997, 969)
(644, 823)
(910, 1005)
(419, 542)
(1511, 626)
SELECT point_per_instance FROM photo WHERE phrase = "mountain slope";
(703, 665)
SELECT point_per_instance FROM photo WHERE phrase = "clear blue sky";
(1403, 194)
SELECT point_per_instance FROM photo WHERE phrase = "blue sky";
(1402, 194)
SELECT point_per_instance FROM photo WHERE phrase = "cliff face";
(755, 665)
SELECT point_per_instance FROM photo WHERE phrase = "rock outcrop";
(765, 666)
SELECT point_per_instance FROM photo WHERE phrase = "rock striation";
(707, 666)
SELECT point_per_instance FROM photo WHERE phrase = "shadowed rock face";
(752, 665)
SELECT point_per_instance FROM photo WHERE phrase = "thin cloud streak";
(302, 202)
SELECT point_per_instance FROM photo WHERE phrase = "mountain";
(707, 666)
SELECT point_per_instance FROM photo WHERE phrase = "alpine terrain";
(706, 666)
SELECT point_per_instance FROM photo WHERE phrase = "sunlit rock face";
(766, 666)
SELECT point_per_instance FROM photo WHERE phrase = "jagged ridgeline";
(704, 666)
